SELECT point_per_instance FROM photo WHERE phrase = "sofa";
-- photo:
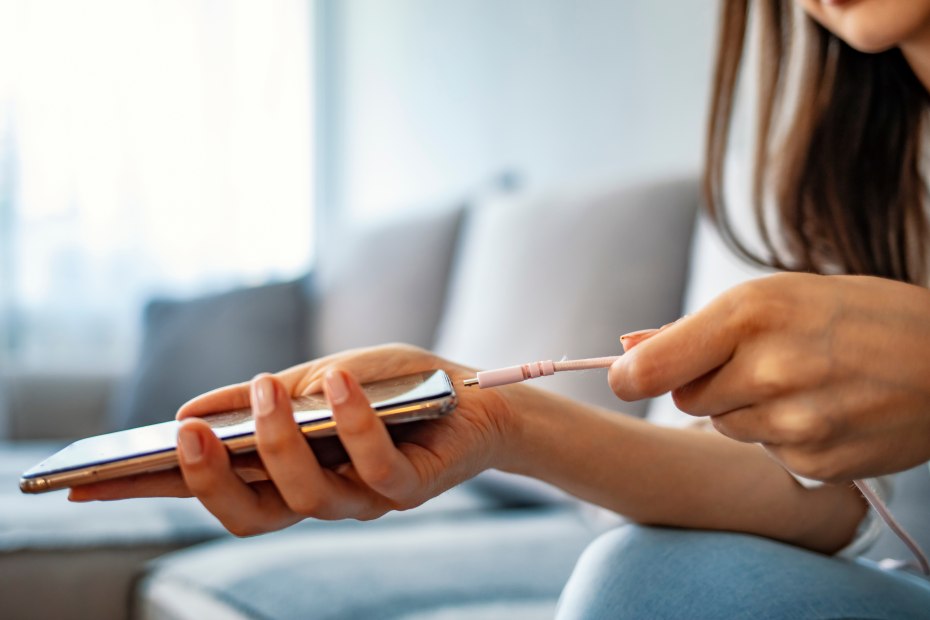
(502, 278)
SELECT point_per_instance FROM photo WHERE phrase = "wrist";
(509, 413)
(532, 421)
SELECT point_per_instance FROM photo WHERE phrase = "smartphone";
(147, 449)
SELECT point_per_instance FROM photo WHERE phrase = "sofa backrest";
(566, 273)
(384, 282)
(519, 278)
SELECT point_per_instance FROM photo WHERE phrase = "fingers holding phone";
(299, 486)
(308, 489)
(207, 471)
(375, 458)
(377, 446)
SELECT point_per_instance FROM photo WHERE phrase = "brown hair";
(845, 179)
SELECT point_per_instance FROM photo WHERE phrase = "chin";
(870, 36)
(872, 26)
(869, 44)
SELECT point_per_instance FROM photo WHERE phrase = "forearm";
(682, 478)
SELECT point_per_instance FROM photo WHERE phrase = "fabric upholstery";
(193, 346)
(49, 405)
(466, 565)
(565, 274)
(386, 283)
(74, 561)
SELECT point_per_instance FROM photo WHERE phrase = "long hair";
(842, 173)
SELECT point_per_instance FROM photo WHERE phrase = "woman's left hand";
(284, 482)
(831, 374)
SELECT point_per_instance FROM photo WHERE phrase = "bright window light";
(146, 147)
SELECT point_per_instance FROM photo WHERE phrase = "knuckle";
(307, 505)
(757, 304)
(381, 476)
(686, 398)
(360, 425)
(769, 377)
(815, 467)
(801, 425)
(273, 444)
(777, 372)
(200, 482)
(817, 430)
(242, 529)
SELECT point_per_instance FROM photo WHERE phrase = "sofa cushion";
(385, 282)
(565, 274)
(44, 404)
(73, 561)
(466, 565)
(90, 554)
(192, 346)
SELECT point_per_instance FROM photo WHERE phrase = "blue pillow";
(192, 346)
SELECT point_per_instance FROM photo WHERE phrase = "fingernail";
(638, 335)
(628, 341)
(263, 395)
(191, 448)
(336, 389)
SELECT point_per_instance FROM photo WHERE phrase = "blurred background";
(184, 147)
(193, 191)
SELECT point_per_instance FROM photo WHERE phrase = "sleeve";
(663, 412)
(871, 525)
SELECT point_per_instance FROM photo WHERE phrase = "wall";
(431, 98)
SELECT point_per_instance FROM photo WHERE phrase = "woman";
(829, 374)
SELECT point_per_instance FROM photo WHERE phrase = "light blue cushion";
(458, 565)
(72, 561)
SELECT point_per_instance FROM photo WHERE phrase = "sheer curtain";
(146, 147)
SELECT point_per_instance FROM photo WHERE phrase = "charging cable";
(875, 501)
(532, 370)
(516, 374)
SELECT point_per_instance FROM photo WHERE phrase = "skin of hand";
(381, 477)
(650, 474)
(831, 374)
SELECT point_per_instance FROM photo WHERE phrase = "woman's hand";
(830, 373)
(291, 485)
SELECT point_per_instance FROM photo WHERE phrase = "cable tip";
(471, 382)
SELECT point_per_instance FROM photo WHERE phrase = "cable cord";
(516, 374)
(892, 523)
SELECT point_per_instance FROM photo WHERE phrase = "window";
(146, 147)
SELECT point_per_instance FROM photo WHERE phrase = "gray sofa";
(500, 280)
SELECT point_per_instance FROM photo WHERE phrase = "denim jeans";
(649, 572)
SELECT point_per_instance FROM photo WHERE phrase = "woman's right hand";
(431, 458)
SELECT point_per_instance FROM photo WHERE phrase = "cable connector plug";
(532, 370)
